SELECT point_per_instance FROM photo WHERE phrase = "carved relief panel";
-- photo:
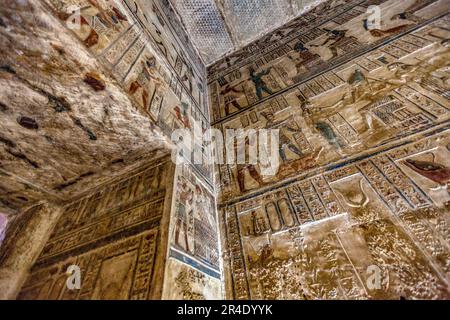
(113, 236)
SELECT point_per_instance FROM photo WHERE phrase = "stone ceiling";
(219, 27)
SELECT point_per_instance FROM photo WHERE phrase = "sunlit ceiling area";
(219, 27)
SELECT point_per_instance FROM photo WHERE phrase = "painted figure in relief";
(229, 95)
(147, 74)
(243, 168)
(306, 108)
(260, 84)
(360, 88)
(195, 230)
(426, 75)
(203, 205)
(184, 210)
(328, 133)
(377, 33)
(160, 41)
(357, 80)
(187, 76)
(285, 141)
(99, 20)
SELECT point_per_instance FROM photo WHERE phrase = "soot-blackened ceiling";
(219, 27)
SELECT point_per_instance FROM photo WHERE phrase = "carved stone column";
(24, 241)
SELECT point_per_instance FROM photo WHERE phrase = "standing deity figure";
(306, 107)
(306, 59)
(357, 81)
(359, 88)
(187, 77)
(203, 206)
(259, 225)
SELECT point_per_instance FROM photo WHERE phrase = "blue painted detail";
(181, 257)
